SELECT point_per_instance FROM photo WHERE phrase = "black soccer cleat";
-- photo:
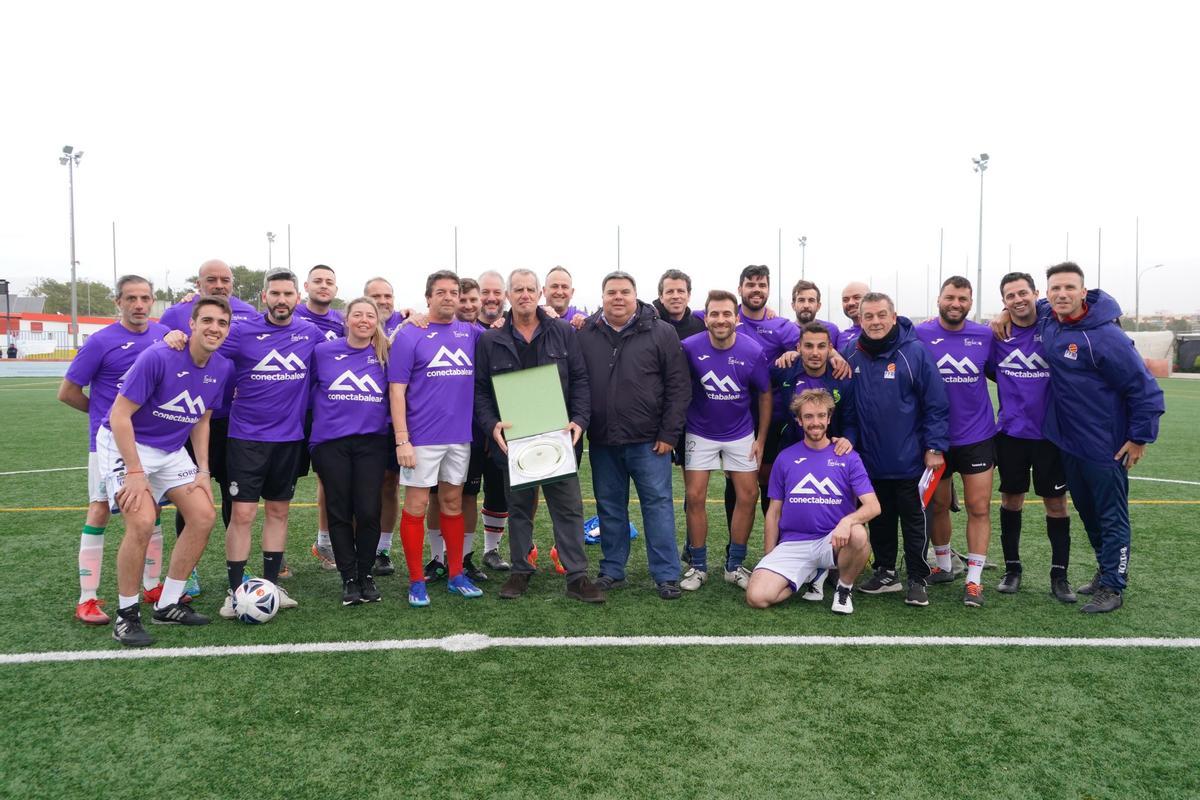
(474, 573)
(370, 592)
(434, 571)
(351, 593)
(1060, 590)
(1010, 583)
(1092, 585)
(383, 563)
(1104, 600)
(128, 628)
(178, 614)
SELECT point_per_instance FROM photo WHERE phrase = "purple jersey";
(438, 365)
(172, 394)
(963, 358)
(817, 489)
(392, 323)
(722, 384)
(349, 392)
(104, 358)
(1022, 381)
(272, 383)
(178, 317)
(331, 324)
(776, 335)
(847, 337)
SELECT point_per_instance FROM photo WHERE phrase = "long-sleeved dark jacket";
(640, 383)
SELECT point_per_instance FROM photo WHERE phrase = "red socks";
(412, 539)
(453, 532)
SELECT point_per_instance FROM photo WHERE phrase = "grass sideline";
(604, 722)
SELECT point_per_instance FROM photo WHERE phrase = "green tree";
(93, 297)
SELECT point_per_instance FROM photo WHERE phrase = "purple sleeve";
(760, 378)
(226, 380)
(86, 362)
(860, 484)
(790, 336)
(400, 360)
(776, 489)
(145, 374)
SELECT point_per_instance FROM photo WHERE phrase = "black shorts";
(305, 461)
(474, 471)
(970, 459)
(771, 446)
(265, 470)
(1016, 457)
(218, 435)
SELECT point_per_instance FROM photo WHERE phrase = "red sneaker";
(558, 567)
(89, 613)
(151, 595)
(532, 557)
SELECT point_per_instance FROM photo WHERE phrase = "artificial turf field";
(827, 721)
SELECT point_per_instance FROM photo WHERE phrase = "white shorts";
(437, 463)
(164, 471)
(706, 455)
(799, 562)
(97, 486)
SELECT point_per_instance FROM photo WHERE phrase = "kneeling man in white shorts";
(820, 504)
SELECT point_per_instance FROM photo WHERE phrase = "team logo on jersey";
(1017, 360)
(809, 485)
(704, 357)
(181, 374)
(340, 357)
(949, 365)
(969, 342)
(184, 403)
(299, 337)
(936, 341)
(209, 379)
(890, 374)
(262, 336)
(274, 362)
(446, 357)
(349, 382)
(713, 383)
(330, 336)
(837, 396)
(431, 334)
(736, 362)
(800, 460)
(127, 345)
(1072, 351)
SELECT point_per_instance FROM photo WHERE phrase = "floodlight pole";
(71, 159)
(270, 241)
(981, 165)
(803, 240)
(1137, 297)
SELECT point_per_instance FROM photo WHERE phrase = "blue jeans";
(612, 467)
(1100, 493)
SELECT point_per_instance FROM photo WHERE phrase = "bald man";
(852, 297)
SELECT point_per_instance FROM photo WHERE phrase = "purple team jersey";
(272, 383)
(847, 337)
(722, 384)
(392, 323)
(817, 489)
(1022, 381)
(438, 365)
(963, 359)
(331, 324)
(172, 394)
(104, 358)
(177, 317)
(349, 392)
(776, 335)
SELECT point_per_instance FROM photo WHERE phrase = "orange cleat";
(532, 557)
(558, 567)
(89, 613)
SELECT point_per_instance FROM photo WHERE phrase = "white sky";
(700, 128)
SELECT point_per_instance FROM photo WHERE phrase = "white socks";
(975, 562)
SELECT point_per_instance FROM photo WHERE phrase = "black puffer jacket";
(640, 382)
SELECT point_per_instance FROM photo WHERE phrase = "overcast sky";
(700, 129)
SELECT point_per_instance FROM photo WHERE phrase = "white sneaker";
(285, 600)
(227, 611)
(739, 576)
(693, 579)
(814, 590)
(842, 601)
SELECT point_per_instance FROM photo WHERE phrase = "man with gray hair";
(491, 297)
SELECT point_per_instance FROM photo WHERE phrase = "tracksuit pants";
(900, 501)
(1100, 493)
(351, 470)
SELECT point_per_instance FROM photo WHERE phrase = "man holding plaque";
(530, 338)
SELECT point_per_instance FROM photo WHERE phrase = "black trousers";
(351, 470)
(900, 501)
(218, 435)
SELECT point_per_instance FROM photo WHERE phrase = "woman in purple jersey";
(349, 444)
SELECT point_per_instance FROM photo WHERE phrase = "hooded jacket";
(899, 405)
(1101, 394)
(640, 382)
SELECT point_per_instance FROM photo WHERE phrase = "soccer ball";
(256, 601)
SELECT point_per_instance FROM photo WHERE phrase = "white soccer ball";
(256, 601)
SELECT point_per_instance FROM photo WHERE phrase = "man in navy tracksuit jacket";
(903, 420)
(1103, 410)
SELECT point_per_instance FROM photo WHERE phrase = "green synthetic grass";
(652, 722)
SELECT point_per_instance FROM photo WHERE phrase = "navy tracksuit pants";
(1100, 493)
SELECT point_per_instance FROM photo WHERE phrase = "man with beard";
(559, 291)
(852, 297)
(381, 293)
(806, 302)
(962, 351)
(321, 289)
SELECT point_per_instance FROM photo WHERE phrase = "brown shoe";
(516, 585)
(584, 590)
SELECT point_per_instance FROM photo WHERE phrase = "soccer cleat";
(227, 611)
(151, 595)
(1010, 583)
(585, 591)
(532, 557)
(351, 594)
(606, 583)
(1104, 599)
(814, 590)
(461, 585)
(88, 612)
(370, 592)
(178, 614)
(973, 595)
(434, 571)
(693, 579)
(1061, 591)
(471, 571)
(192, 587)
(128, 628)
(558, 567)
(842, 603)
(285, 572)
(1091, 586)
(492, 560)
(916, 595)
(939, 575)
(417, 596)
(739, 577)
(383, 563)
(285, 600)
(324, 555)
(881, 581)
(516, 585)
(669, 590)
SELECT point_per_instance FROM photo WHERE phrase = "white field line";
(470, 642)
(1163, 480)
(52, 469)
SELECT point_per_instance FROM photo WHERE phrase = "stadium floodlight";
(981, 165)
(1137, 297)
(803, 241)
(70, 159)
(270, 241)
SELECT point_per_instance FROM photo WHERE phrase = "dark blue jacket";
(790, 381)
(898, 418)
(1101, 394)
